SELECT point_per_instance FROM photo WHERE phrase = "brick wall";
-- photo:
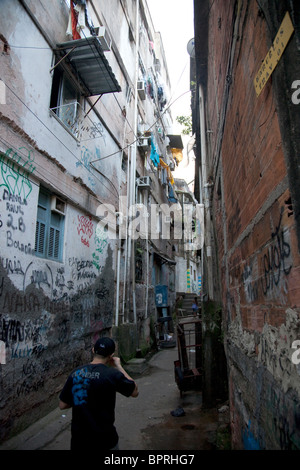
(255, 229)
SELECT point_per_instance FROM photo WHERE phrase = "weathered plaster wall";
(50, 312)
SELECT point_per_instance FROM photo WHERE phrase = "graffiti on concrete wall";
(249, 441)
(15, 186)
(85, 229)
(34, 326)
(101, 240)
(87, 155)
(15, 168)
(49, 311)
(285, 415)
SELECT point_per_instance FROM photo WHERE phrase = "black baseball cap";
(104, 346)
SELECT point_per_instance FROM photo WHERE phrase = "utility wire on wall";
(55, 136)
(167, 107)
(67, 148)
(111, 154)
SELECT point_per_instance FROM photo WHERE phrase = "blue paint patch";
(250, 443)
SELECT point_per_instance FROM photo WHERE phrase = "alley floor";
(145, 422)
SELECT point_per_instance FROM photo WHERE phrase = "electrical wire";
(159, 118)
(107, 156)
(96, 169)
(39, 171)
(111, 154)
(59, 140)
(107, 81)
(136, 137)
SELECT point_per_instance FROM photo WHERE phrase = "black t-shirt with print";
(91, 391)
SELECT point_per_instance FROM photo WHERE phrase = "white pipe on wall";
(205, 187)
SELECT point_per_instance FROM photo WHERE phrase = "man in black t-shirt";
(91, 392)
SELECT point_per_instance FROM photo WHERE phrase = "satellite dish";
(191, 47)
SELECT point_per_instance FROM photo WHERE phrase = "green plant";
(186, 122)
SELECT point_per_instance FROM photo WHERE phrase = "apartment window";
(49, 226)
(139, 263)
(65, 100)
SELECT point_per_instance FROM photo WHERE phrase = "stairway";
(187, 302)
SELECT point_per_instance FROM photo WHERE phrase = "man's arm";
(63, 406)
(116, 362)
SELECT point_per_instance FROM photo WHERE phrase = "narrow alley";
(149, 174)
(145, 423)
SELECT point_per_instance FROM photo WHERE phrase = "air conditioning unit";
(141, 89)
(104, 38)
(143, 143)
(144, 182)
(58, 205)
(157, 66)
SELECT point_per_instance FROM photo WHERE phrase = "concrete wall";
(255, 226)
(51, 312)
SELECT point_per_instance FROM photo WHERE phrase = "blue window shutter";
(54, 243)
(41, 226)
(40, 238)
(49, 230)
(55, 235)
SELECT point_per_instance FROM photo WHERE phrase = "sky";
(174, 19)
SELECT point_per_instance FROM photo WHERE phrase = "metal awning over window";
(163, 259)
(175, 141)
(89, 64)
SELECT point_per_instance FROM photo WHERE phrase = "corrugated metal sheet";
(89, 65)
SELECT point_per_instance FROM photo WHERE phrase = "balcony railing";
(76, 121)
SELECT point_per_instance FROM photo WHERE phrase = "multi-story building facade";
(246, 120)
(188, 262)
(84, 120)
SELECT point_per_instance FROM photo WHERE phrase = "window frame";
(49, 232)
(62, 83)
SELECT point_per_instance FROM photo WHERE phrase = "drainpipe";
(133, 157)
(121, 215)
(118, 284)
(204, 187)
(126, 240)
(202, 249)
(147, 277)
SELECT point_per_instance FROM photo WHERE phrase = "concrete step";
(187, 302)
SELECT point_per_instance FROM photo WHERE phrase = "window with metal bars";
(49, 229)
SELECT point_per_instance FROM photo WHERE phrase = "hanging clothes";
(150, 88)
(154, 155)
(164, 165)
(177, 155)
(72, 24)
(86, 21)
(160, 93)
(80, 9)
(171, 197)
(79, 19)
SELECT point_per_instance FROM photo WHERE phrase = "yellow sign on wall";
(273, 56)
